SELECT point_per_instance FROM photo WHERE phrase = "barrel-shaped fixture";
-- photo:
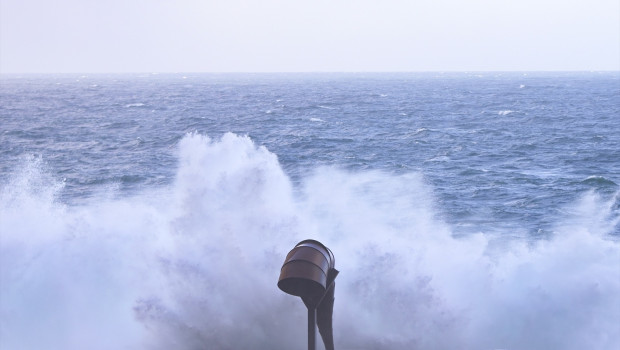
(308, 272)
(305, 271)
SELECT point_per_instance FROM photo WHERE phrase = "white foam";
(195, 265)
(130, 105)
(505, 112)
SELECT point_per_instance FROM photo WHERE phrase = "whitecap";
(134, 105)
(505, 112)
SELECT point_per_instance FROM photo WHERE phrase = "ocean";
(464, 210)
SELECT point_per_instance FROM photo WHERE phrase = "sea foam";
(195, 264)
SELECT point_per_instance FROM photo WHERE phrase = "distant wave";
(134, 105)
(420, 130)
(599, 181)
(505, 112)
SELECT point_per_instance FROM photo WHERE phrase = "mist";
(194, 264)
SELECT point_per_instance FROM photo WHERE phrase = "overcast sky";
(93, 36)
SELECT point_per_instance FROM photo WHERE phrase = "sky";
(120, 36)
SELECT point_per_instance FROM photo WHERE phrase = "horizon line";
(313, 72)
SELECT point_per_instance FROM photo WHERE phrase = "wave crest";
(195, 265)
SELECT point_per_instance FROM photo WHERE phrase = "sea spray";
(194, 264)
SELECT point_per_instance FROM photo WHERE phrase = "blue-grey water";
(469, 211)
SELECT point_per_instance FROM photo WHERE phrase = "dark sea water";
(465, 211)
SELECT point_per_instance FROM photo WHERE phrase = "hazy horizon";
(439, 72)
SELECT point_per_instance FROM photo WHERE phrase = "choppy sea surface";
(465, 210)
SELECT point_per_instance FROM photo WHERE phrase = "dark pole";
(311, 328)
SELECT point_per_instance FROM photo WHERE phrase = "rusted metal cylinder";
(305, 271)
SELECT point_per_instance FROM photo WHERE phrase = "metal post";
(311, 329)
